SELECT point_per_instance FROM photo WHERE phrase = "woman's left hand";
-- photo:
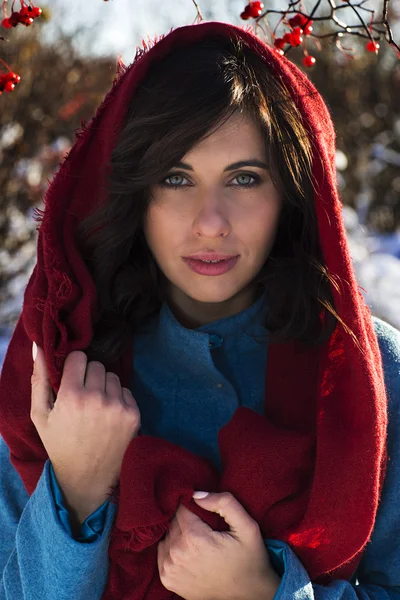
(198, 563)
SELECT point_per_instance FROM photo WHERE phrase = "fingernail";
(200, 495)
(34, 351)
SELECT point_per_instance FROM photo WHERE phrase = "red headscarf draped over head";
(301, 470)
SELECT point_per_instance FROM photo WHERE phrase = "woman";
(261, 385)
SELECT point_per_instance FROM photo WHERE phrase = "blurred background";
(67, 62)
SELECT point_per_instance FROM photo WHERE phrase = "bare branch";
(199, 15)
(360, 29)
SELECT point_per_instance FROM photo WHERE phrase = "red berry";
(244, 16)
(9, 86)
(14, 19)
(6, 23)
(309, 61)
(303, 20)
(13, 77)
(279, 43)
(298, 21)
(295, 40)
(36, 12)
(27, 21)
(255, 9)
(308, 29)
(295, 21)
(286, 38)
(297, 31)
(372, 47)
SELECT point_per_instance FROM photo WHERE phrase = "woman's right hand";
(85, 431)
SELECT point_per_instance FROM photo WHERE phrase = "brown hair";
(181, 101)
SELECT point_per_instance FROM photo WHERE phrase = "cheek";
(162, 229)
(259, 226)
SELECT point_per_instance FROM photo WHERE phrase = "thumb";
(226, 505)
(42, 392)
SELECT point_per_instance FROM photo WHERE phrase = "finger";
(187, 519)
(174, 528)
(113, 385)
(226, 505)
(42, 397)
(128, 398)
(162, 554)
(74, 370)
(95, 376)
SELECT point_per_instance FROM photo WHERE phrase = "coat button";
(215, 341)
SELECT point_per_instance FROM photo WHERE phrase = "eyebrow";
(252, 162)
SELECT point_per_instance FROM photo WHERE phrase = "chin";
(210, 295)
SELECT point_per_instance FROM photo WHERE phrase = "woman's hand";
(198, 563)
(85, 431)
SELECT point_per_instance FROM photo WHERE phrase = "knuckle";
(253, 528)
(165, 578)
(34, 379)
(134, 416)
(96, 364)
(175, 554)
(112, 376)
(77, 355)
(168, 565)
(225, 499)
(96, 398)
(73, 394)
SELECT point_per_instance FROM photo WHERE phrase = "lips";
(206, 268)
(214, 262)
(211, 257)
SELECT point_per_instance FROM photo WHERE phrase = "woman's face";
(214, 207)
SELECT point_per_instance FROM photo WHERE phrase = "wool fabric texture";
(300, 470)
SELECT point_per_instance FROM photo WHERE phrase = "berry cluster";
(25, 16)
(253, 9)
(300, 25)
(8, 81)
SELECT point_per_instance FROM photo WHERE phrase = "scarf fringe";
(139, 538)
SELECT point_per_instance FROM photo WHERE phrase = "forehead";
(239, 133)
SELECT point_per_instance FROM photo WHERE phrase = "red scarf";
(311, 471)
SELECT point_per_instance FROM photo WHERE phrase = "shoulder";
(389, 340)
(389, 345)
(381, 558)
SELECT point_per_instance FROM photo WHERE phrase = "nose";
(212, 219)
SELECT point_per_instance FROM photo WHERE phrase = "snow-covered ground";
(376, 260)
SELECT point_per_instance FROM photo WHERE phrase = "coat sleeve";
(92, 528)
(38, 558)
(378, 574)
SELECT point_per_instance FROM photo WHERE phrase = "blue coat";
(40, 559)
